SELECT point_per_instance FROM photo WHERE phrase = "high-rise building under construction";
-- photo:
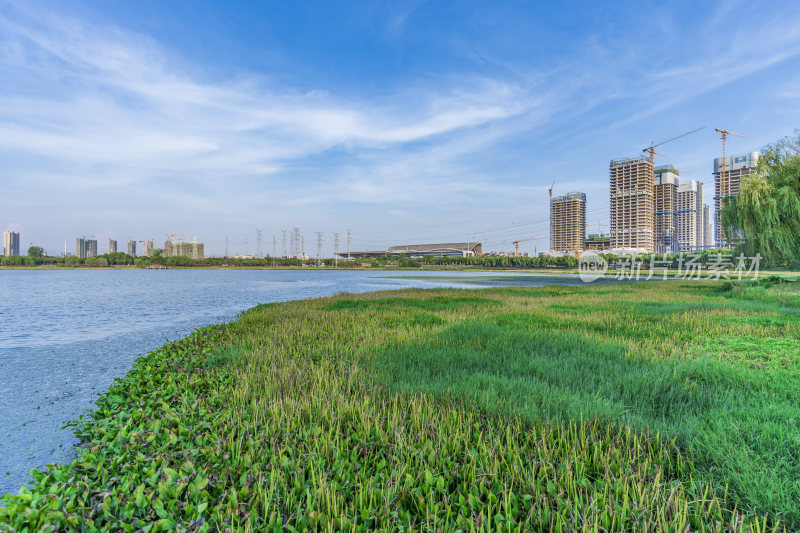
(85, 247)
(678, 216)
(568, 222)
(708, 232)
(665, 189)
(689, 220)
(195, 250)
(736, 167)
(631, 203)
(10, 243)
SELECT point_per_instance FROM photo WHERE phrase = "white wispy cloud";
(121, 102)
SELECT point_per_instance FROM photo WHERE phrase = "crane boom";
(652, 151)
(679, 136)
(516, 243)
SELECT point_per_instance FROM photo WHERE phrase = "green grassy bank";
(656, 406)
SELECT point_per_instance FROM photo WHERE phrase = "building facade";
(708, 233)
(689, 220)
(112, 246)
(665, 189)
(568, 222)
(195, 250)
(631, 203)
(131, 247)
(736, 167)
(85, 247)
(10, 243)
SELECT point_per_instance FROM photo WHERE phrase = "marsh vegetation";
(652, 406)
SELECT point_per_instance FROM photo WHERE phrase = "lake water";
(65, 335)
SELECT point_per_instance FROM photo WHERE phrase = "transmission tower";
(245, 246)
(226, 247)
(259, 233)
(298, 245)
(284, 242)
(319, 248)
(336, 249)
(274, 249)
(349, 235)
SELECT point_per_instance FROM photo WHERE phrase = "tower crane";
(722, 183)
(516, 243)
(651, 150)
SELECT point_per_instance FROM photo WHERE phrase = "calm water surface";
(66, 335)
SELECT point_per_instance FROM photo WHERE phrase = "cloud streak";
(124, 104)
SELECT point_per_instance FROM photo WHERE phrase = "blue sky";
(403, 121)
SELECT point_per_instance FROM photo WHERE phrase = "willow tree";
(766, 213)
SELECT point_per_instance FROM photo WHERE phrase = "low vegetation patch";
(545, 409)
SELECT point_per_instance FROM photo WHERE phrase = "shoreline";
(155, 411)
(610, 274)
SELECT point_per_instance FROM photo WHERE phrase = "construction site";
(568, 222)
(728, 174)
(665, 187)
(176, 246)
(631, 203)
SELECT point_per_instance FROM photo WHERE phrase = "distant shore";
(434, 268)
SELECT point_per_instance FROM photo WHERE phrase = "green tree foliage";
(766, 213)
(118, 258)
(72, 260)
(35, 251)
(180, 261)
(16, 260)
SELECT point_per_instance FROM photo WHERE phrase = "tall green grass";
(549, 409)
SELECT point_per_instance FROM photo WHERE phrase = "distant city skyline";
(404, 122)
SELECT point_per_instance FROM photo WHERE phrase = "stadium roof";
(431, 248)
(452, 249)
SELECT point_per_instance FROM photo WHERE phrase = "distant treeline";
(567, 261)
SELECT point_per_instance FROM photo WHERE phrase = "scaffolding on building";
(631, 203)
(568, 222)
